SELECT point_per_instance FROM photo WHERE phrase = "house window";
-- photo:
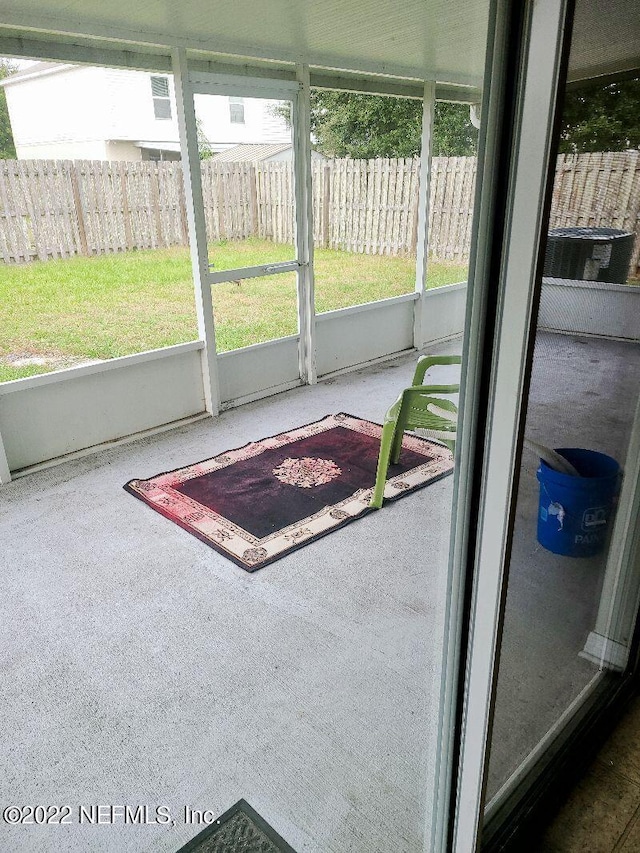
(161, 100)
(236, 110)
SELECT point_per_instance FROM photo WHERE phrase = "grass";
(67, 311)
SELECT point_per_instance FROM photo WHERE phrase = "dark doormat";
(259, 502)
(239, 830)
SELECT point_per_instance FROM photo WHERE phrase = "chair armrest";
(435, 389)
(431, 393)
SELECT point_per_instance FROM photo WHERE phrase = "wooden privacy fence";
(56, 209)
(599, 190)
(61, 208)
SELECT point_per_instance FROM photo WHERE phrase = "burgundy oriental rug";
(261, 501)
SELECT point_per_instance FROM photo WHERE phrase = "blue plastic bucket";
(575, 513)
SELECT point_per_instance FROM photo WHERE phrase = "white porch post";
(197, 228)
(422, 244)
(609, 643)
(304, 227)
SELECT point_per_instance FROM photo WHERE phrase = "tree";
(347, 124)
(453, 133)
(7, 147)
(596, 117)
(601, 117)
(204, 146)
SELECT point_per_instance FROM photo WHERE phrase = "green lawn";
(66, 311)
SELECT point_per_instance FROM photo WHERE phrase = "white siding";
(259, 124)
(130, 108)
(122, 151)
(72, 112)
(274, 128)
(64, 150)
(67, 106)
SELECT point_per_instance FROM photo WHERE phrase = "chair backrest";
(427, 361)
(424, 408)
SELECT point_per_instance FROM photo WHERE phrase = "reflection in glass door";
(553, 603)
(584, 392)
(571, 595)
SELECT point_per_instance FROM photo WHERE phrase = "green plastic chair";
(418, 407)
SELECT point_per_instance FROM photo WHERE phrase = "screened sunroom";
(420, 679)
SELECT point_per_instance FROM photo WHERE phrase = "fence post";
(26, 176)
(77, 203)
(126, 213)
(253, 200)
(155, 198)
(222, 231)
(326, 204)
(633, 211)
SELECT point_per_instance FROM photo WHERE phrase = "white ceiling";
(442, 40)
(432, 39)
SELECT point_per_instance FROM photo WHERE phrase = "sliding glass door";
(572, 586)
(553, 602)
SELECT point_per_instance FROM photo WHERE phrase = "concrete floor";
(144, 668)
(583, 394)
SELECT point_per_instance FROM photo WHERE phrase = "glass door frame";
(526, 72)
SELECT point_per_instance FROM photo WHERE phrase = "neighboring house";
(61, 111)
(228, 122)
(267, 153)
